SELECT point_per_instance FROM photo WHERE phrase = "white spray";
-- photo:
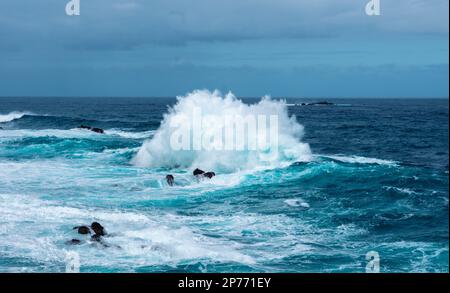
(159, 151)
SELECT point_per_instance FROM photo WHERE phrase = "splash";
(158, 151)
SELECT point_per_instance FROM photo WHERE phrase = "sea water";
(357, 176)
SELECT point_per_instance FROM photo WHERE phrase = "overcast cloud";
(205, 43)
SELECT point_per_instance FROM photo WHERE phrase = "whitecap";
(360, 160)
(297, 202)
(400, 190)
(13, 116)
(60, 133)
(128, 134)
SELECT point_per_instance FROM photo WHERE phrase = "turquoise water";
(376, 179)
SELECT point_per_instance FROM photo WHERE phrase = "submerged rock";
(99, 239)
(98, 130)
(209, 175)
(96, 237)
(73, 242)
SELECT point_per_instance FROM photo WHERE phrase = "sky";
(282, 48)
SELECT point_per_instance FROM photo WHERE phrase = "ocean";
(355, 176)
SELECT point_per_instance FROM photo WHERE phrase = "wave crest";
(13, 116)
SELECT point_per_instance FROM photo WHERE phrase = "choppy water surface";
(374, 177)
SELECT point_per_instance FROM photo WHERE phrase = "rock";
(198, 172)
(170, 179)
(98, 130)
(201, 173)
(98, 229)
(94, 129)
(209, 175)
(83, 230)
(322, 103)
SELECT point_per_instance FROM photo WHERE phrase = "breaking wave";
(158, 151)
(13, 116)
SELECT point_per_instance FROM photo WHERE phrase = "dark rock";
(98, 130)
(170, 179)
(322, 103)
(209, 175)
(83, 230)
(94, 129)
(98, 229)
(201, 173)
(198, 172)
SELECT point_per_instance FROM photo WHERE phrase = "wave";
(13, 116)
(147, 239)
(400, 190)
(130, 134)
(59, 133)
(29, 120)
(73, 133)
(158, 151)
(360, 160)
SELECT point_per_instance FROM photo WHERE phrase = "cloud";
(127, 24)
(253, 47)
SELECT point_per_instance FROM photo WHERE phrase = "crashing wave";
(159, 151)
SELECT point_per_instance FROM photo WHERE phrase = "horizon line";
(239, 97)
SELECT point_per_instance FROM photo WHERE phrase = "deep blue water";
(378, 181)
